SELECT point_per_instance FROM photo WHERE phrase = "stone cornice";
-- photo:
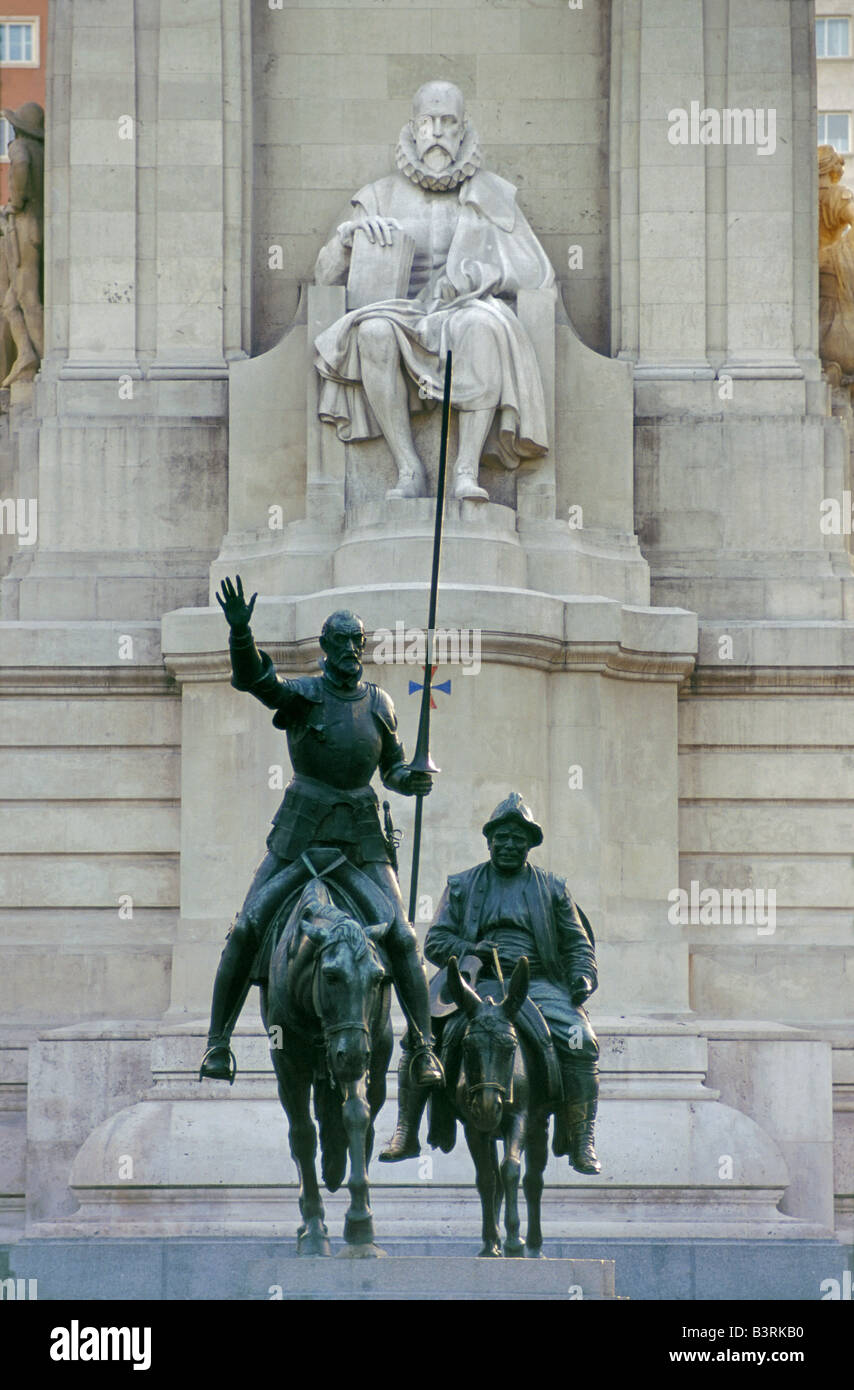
(499, 648)
(59, 681)
(769, 680)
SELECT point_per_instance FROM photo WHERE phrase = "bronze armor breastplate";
(339, 743)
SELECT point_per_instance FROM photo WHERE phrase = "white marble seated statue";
(471, 251)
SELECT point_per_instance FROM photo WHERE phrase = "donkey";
(496, 1096)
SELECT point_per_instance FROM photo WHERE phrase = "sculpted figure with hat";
(504, 909)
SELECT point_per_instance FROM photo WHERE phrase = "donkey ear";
(462, 994)
(378, 931)
(517, 992)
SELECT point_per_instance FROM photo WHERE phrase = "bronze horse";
(326, 1002)
(496, 1096)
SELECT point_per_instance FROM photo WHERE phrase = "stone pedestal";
(207, 1160)
(308, 512)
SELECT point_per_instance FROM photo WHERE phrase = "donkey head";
(489, 1044)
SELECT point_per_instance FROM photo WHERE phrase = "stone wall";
(765, 802)
(89, 825)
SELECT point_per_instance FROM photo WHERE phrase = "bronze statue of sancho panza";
(512, 908)
(340, 731)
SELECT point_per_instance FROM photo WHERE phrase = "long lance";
(422, 762)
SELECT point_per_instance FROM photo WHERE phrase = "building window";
(19, 43)
(832, 38)
(5, 137)
(834, 128)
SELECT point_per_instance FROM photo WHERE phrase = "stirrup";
(419, 1052)
(232, 1064)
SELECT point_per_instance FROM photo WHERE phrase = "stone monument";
(663, 625)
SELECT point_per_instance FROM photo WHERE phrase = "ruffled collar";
(467, 162)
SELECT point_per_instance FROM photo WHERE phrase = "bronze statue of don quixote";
(325, 934)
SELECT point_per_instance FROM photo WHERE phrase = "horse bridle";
(329, 1030)
(491, 1086)
(505, 1092)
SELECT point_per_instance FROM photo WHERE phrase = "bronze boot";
(230, 990)
(411, 1099)
(581, 1094)
(411, 982)
(579, 1122)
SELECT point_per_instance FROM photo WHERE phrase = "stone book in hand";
(379, 272)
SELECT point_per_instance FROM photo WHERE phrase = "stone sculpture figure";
(7, 342)
(517, 910)
(23, 218)
(473, 251)
(836, 267)
(340, 731)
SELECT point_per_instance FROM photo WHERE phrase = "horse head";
(348, 977)
(489, 1044)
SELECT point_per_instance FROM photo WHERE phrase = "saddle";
(352, 890)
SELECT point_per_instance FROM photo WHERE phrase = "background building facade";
(23, 38)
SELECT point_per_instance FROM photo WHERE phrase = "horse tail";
(333, 1136)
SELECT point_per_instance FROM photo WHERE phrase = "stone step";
(261, 1269)
(271, 1271)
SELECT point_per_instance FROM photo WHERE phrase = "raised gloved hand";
(238, 612)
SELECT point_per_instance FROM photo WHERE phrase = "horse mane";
(343, 927)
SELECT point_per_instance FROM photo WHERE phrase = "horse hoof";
(490, 1252)
(311, 1244)
(514, 1252)
(361, 1252)
(532, 1253)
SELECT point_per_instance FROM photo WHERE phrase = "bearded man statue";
(473, 252)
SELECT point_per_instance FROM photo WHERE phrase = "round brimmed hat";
(441, 1002)
(28, 119)
(514, 808)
